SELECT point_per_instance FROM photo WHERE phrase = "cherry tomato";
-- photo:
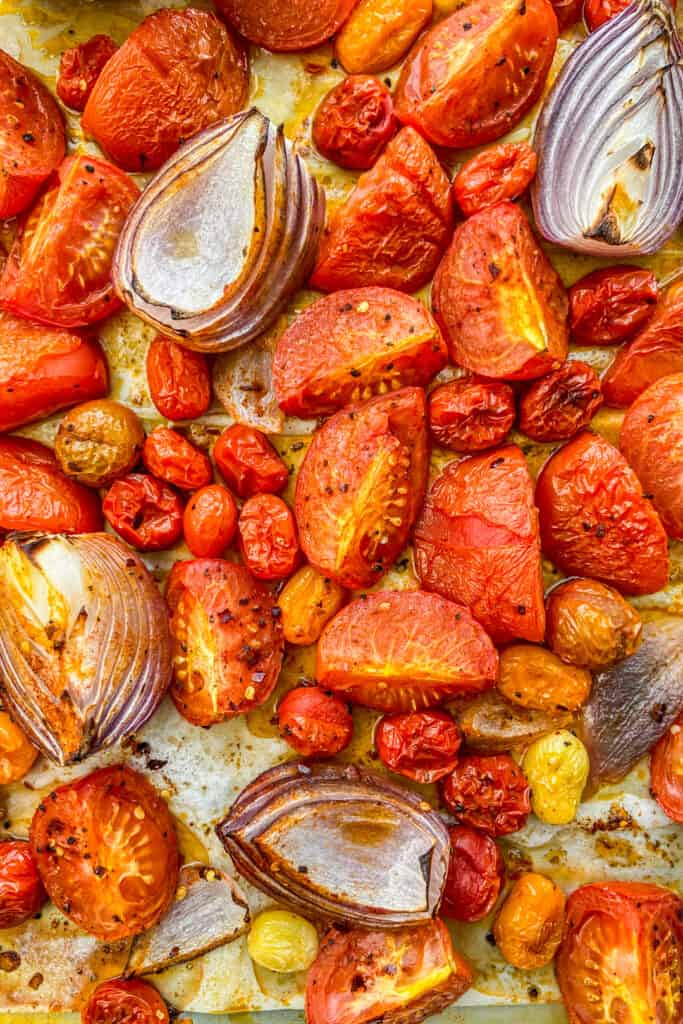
(17, 754)
(177, 73)
(248, 461)
(501, 306)
(35, 494)
(504, 56)
(169, 456)
(179, 380)
(21, 891)
(621, 954)
(395, 225)
(59, 268)
(476, 871)
(502, 172)
(227, 638)
(297, 25)
(562, 403)
(591, 625)
(378, 33)
(354, 344)
(147, 513)
(528, 929)
(360, 486)
(99, 441)
(32, 143)
(267, 537)
(595, 520)
(488, 792)
(666, 771)
(315, 723)
(210, 521)
(307, 603)
(609, 305)
(80, 67)
(354, 122)
(568, 12)
(477, 542)
(127, 1001)
(107, 852)
(422, 745)
(597, 12)
(469, 415)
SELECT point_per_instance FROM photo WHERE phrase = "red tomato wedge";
(666, 771)
(80, 67)
(400, 650)
(296, 25)
(477, 542)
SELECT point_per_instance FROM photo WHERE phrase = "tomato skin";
(21, 890)
(597, 12)
(394, 226)
(282, 27)
(666, 771)
(595, 520)
(268, 542)
(470, 415)
(502, 172)
(378, 33)
(609, 305)
(17, 754)
(476, 871)
(354, 122)
(248, 461)
(567, 12)
(178, 379)
(557, 406)
(80, 67)
(315, 723)
(422, 745)
(147, 513)
(125, 1001)
(210, 521)
(488, 792)
(170, 457)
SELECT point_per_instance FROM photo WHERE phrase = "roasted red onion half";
(85, 649)
(610, 138)
(222, 236)
(339, 843)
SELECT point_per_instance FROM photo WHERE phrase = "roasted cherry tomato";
(307, 602)
(502, 172)
(475, 875)
(378, 33)
(567, 11)
(354, 344)
(595, 520)
(171, 457)
(98, 441)
(393, 976)
(591, 625)
(147, 513)
(556, 407)
(315, 723)
(395, 225)
(59, 268)
(500, 304)
(489, 792)
(268, 541)
(609, 305)
(422, 745)
(177, 73)
(354, 122)
(179, 380)
(469, 415)
(210, 521)
(80, 67)
(32, 142)
(477, 542)
(248, 461)
(360, 487)
(21, 890)
(621, 954)
(35, 494)
(528, 929)
(297, 25)
(652, 440)
(535, 678)
(17, 754)
(597, 12)
(128, 1001)
(666, 771)
(504, 56)
(107, 852)
(227, 640)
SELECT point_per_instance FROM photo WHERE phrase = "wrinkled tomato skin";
(147, 513)
(504, 52)
(591, 625)
(354, 122)
(125, 1001)
(556, 407)
(170, 457)
(567, 12)
(500, 304)
(666, 771)
(597, 12)
(267, 537)
(80, 67)
(249, 463)
(210, 521)
(178, 379)
(502, 172)
(470, 415)
(315, 723)
(354, 344)
(477, 542)
(177, 73)
(422, 745)
(595, 520)
(395, 225)
(475, 875)
(607, 306)
(21, 890)
(488, 792)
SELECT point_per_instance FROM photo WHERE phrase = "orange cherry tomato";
(17, 754)
(395, 225)
(469, 415)
(354, 122)
(125, 1001)
(107, 852)
(147, 513)
(315, 723)
(666, 771)
(475, 875)
(297, 25)
(248, 461)
(177, 73)
(21, 891)
(170, 457)
(179, 380)
(502, 172)
(591, 625)
(378, 33)
(489, 792)
(608, 305)
(268, 542)
(422, 745)
(562, 403)
(210, 521)
(32, 143)
(597, 12)
(80, 67)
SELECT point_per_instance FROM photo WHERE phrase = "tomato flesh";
(80, 67)
(125, 1001)
(666, 771)
(21, 891)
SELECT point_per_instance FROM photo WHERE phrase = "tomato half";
(267, 537)
(477, 542)
(475, 875)
(314, 723)
(666, 771)
(297, 25)
(107, 852)
(80, 67)
(611, 304)
(171, 457)
(354, 122)
(470, 415)
(502, 172)
(560, 404)
(179, 380)
(422, 745)
(59, 268)
(622, 954)
(360, 486)
(21, 890)
(489, 792)
(125, 1002)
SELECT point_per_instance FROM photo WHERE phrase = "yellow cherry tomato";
(307, 603)
(557, 768)
(282, 941)
(529, 926)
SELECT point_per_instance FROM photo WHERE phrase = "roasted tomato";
(395, 650)
(488, 792)
(107, 852)
(210, 521)
(595, 520)
(32, 142)
(556, 766)
(392, 976)
(567, 11)
(307, 603)
(147, 513)
(590, 624)
(528, 928)
(500, 304)
(609, 305)
(475, 875)
(470, 415)
(378, 33)
(354, 344)
(297, 25)
(360, 487)
(21, 890)
(179, 380)
(125, 1002)
(502, 172)
(504, 53)
(354, 122)
(171, 457)
(17, 754)
(80, 67)
(597, 12)
(177, 73)
(395, 225)
(477, 542)
(559, 405)
(422, 745)
(227, 640)
(35, 494)
(652, 440)
(267, 537)
(537, 679)
(248, 461)
(59, 268)
(315, 723)
(666, 771)
(621, 954)
(98, 441)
